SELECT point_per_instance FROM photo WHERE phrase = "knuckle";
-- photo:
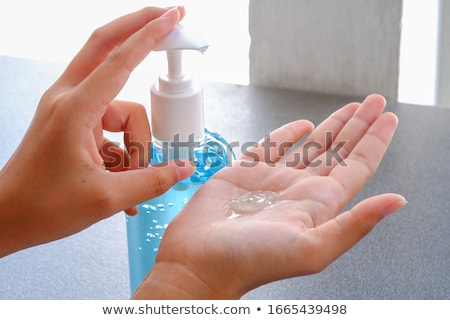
(55, 106)
(317, 258)
(99, 34)
(102, 39)
(136, 109)
(157, 184)
(139, 108)
(104, 200)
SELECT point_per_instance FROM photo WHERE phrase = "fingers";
(317, 142)
(275, 145)
(362, 162)
(335, 237)
(129, 188)
(103, 84)
(106, 39)
(341, 143)
(130, 118)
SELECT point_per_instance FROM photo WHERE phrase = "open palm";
(228, 256)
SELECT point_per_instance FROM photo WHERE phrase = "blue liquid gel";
(148, 228)
(145, 230)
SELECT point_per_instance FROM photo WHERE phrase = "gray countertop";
(407, 256)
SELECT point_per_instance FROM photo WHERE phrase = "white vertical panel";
(417, 83)
(443, 70)
(344, 47)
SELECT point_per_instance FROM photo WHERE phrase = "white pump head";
(176, 99)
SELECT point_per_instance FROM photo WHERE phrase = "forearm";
(10, 209)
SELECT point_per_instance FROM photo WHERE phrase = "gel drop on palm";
(178, 133)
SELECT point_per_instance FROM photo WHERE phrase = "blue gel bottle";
(178, 133)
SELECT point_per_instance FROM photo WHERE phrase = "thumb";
(135, 186)
(338, 235)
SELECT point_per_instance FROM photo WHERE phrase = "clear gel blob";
(251, 202)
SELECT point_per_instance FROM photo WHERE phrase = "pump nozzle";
(177, 40)
(177, 100)
(174, 64)
(181, 39)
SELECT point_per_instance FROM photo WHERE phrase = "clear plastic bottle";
(178, 133)
(146, 229)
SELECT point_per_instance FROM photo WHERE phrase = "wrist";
(7, 218)
(173, 281)
(16, 231)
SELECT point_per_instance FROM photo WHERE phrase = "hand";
(205, 254)
(55, 184)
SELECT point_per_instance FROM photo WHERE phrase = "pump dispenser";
(178, 133)
(177, 99)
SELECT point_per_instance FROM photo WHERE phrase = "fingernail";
(169, 13)
(131, 211)
(396, 206)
